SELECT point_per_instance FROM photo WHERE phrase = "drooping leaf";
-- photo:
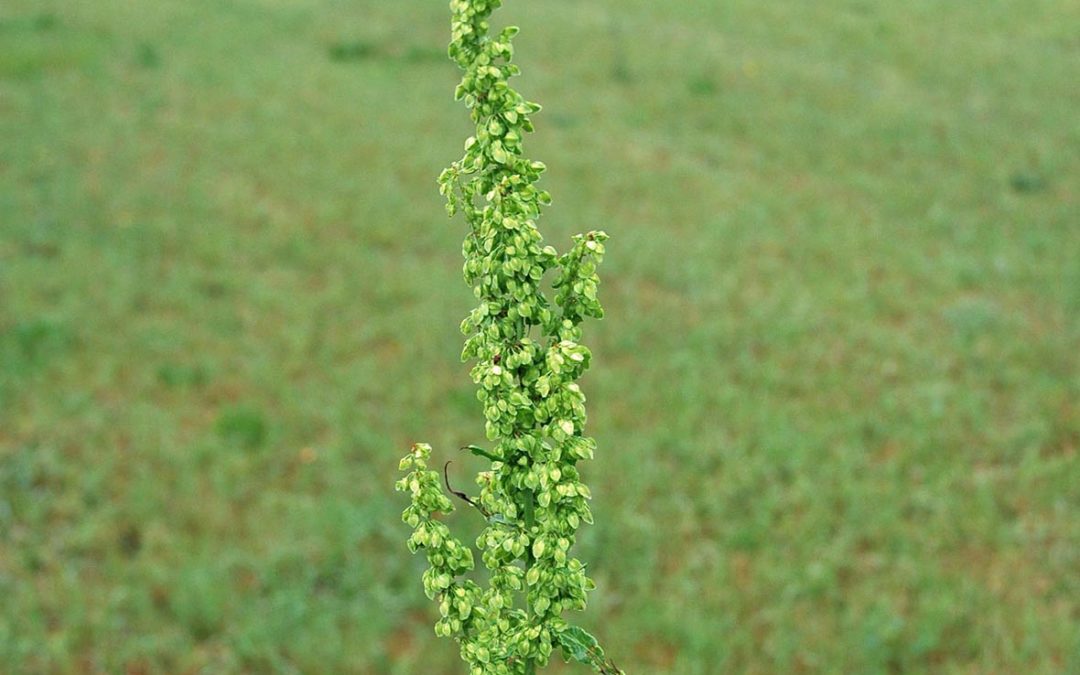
(579, 645)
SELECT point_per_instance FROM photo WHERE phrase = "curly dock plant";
(527, 355)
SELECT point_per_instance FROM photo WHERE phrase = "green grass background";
(837, 393)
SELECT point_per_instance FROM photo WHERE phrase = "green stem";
(530, 520)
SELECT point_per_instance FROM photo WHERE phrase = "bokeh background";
(837, 393)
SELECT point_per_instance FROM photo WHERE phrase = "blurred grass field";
(837, 393)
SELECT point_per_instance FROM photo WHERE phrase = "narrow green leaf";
(480, 452)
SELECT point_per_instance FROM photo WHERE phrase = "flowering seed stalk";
(527, 356)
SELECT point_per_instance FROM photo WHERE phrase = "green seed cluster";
(527, 357)
(448, 558)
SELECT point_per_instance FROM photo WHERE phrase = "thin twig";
(461, 495)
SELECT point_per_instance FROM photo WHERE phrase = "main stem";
(530, 520)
